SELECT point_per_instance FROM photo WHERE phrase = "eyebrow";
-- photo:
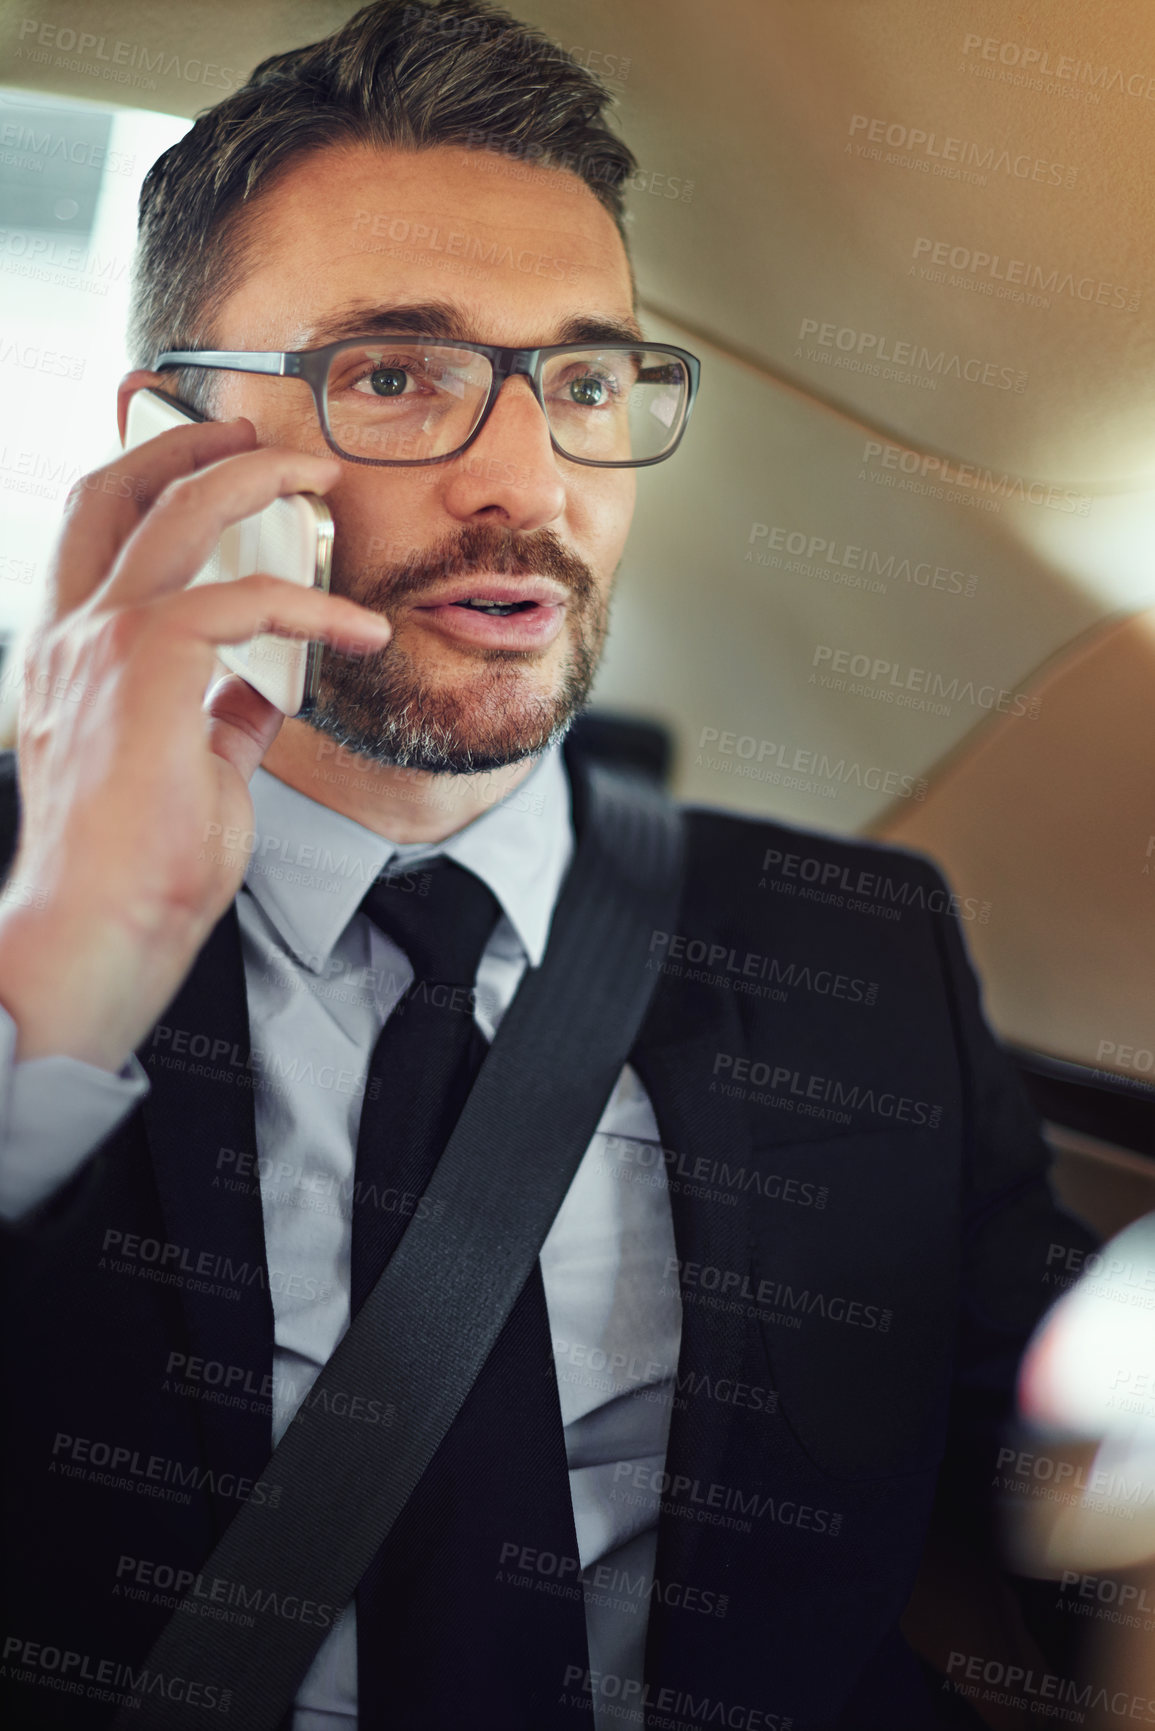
(443, 319)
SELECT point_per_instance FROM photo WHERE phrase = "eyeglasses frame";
(312, 365)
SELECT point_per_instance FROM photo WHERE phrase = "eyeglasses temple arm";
(231, 360)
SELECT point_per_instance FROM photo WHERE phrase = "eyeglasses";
(407, 400)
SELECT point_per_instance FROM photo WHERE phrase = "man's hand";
(127, 771)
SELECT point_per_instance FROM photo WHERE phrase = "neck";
(404, 805)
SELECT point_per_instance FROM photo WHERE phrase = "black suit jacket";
(863, 1223)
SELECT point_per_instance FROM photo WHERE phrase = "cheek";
(380, 522)
(281, 410)
(293, 421)
(603, 515)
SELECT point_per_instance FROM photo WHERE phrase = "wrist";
(79, 983)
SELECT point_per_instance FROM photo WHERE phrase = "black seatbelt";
(334, 1487)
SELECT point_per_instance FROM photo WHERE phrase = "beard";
(384, 708)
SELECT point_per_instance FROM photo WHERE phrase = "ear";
(129, 385)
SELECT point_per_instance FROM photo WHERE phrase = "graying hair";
(410, 75)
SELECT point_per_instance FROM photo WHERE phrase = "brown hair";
(410, 74)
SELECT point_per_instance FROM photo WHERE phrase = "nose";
(510, 475)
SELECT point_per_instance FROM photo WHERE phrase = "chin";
(494, 712)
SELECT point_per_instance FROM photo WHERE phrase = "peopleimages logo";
(1025, 1688)
(665, 1705)
(829, 1090)
(802, 766)
(923, 472)
(142, 1578)
(117, 61)
(1103, 1590)
(725, 960)
(37, 148)
(838, 881)
(1065, 68)
(108, 1680)
(1021, 273)
(877, 351)
(852, 564)
(889, 676)
(963, 156)
(458, 244)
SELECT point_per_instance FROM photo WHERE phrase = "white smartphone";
(291, 538)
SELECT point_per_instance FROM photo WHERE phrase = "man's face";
(512, 256)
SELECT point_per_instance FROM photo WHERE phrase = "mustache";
(477, 547)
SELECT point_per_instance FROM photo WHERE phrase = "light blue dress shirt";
(321, 979)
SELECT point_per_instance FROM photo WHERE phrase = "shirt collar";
(311, 866)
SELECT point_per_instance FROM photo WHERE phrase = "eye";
(384, 381)
(377, 375)
(588, 387)
(588, 391)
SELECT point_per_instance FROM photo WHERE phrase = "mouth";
(497, 609)
(499, 612)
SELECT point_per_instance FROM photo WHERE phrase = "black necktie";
(427, 1055)
(459, 1619)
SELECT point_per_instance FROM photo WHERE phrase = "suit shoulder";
(770, 885)
(805, 910)
(718, 839)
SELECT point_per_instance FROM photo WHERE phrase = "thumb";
(242, 723)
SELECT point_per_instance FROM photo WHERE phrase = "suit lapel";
(705, 1126)
(673, 1059)
(200, 1106)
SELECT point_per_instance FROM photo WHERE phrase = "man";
(784, 1299)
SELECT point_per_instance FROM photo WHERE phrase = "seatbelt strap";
(333, 1487)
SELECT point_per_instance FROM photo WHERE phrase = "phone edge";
(322, 573)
